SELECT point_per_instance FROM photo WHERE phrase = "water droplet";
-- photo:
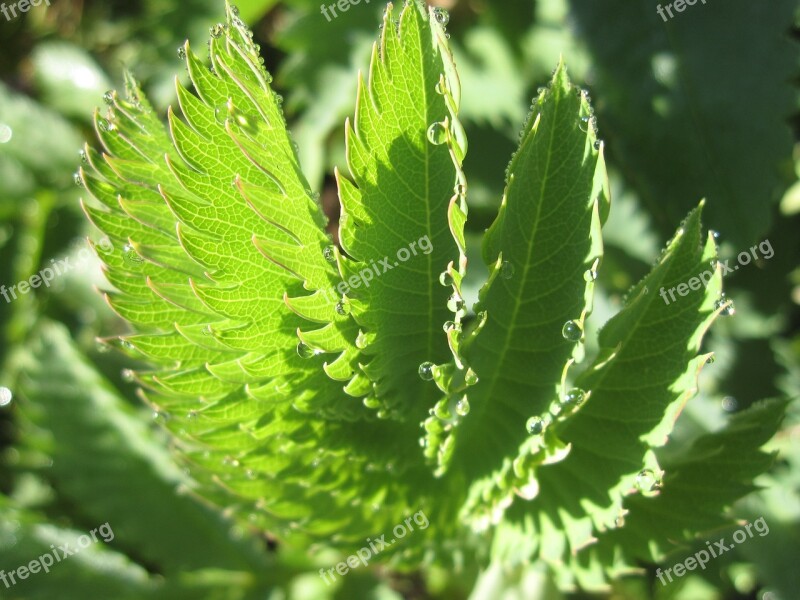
(471, 377)
(343, 307)
(437, 134)
(728, 310)
(217, 30)
(590, 275)
(182, 52)
(127, 375)
(460, 189)
(131, 255)
(710, 360)
(104, 125)
(304, 350)
(101, 347)
(221, 113)
(126, 345)
(462, 407)
(108, 97)
(246, 122)
(6, 133)
(441, 16)
(583, 124)
(506, 270)
(234, 10)
(535, 425)
(159, 415)
(230, 461)
(441, 87)
(574, 397)
(455, 303)
(572, 331)
(730, 404)
(597, 144)
(715, 234)
(77, 179)
(191, 415)
(329, 254)
(84, 156)
(647, 481)
(250, 474)
(446, 279)
(426, 371)
(5, 396)
(713, 262)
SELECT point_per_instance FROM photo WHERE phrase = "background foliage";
(703, 106)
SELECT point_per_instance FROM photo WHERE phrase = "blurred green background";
(702, 106)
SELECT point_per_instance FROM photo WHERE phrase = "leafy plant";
(323, 407)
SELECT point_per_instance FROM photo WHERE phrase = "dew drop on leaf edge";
(572, 331)
(304, 350)
(535, 425)
(437, 134)
(462, 407)
(441, 16)
(426, 371)
(342, 308)
(574, 397)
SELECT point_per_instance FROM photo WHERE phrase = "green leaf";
(700, 484)
(95, 571)
(680, 109)
(222, 265)
(106, 461)
(645, 372)
(545, 239)
(404, 148)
